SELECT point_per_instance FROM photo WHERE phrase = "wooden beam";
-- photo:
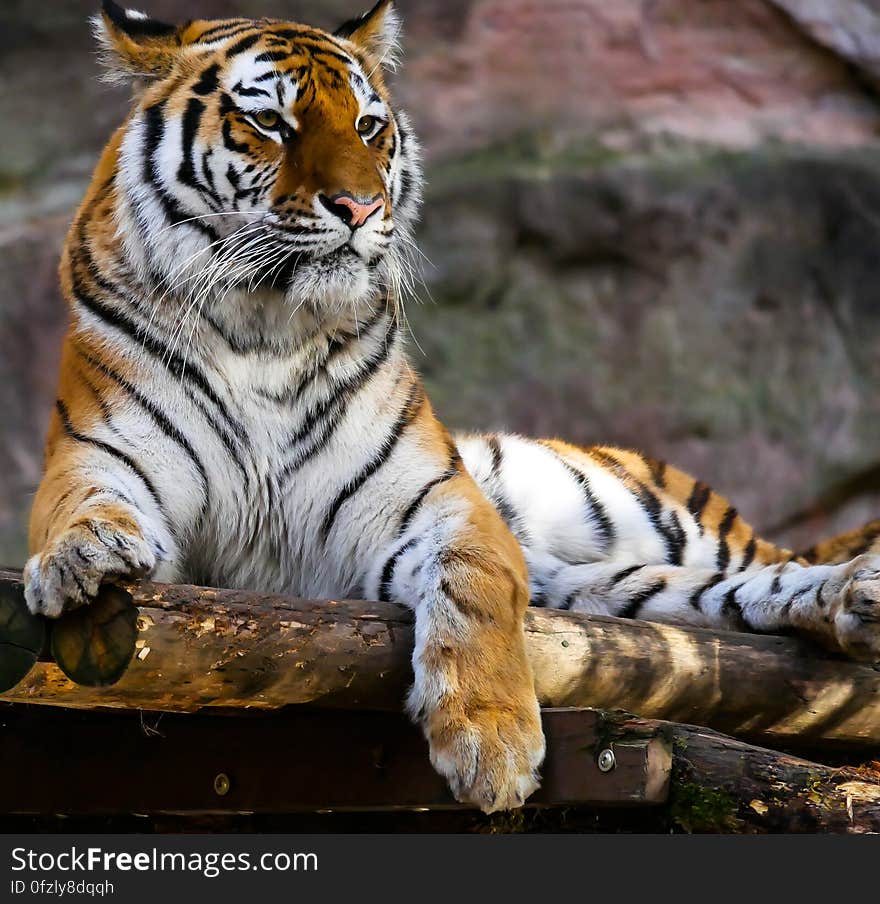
(203, 649)
(98, 763)
(686, 778)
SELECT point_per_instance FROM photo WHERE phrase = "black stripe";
(451, 471)
(233, 177)
(304, 33)
(654, 510)
(413, 507)
(154, 121)
(226, 33)
(390, 565)
(393, 150)
(190, 122)
(138, 334)
(405, 418)
(106, 411)
(127, 460)
(596, 512)
(724, 529)
(242, 45)
(159, 417)
(749, 553)
(676, 539)
(208, 82)
(776, 586)
(225, 25)
(697, 595)
(624, 574)
(140, 337)
(317, 46)
(697, 502)
(495, 449)
(632, 608)
(338, 343)
(407, 181)
(732, 611)
(206, 170)
(657, 469)
(497, 495)
(610, 462)
(330, 412)
(569, 601)
(241, 90)
(272, 56)
(672, 534)
(185, 374)
(238, 147)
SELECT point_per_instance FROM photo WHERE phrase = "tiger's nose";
(350, 210)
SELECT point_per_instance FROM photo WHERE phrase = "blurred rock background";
(650, 222)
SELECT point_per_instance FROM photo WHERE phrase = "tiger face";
(264, 156)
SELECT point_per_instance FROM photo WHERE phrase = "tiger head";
(263, 155)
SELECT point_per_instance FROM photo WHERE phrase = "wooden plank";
(207, 649)
(59, 761)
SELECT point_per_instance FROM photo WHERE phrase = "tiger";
(236, 407)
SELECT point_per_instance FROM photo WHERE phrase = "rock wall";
(650, 222)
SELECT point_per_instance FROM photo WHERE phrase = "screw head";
(221, 784)
(606, 760)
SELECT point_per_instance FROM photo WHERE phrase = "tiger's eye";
(365, 125)
(268, 119)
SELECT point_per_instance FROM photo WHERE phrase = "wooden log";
(720, 784)
(293, 761)
(204, 648)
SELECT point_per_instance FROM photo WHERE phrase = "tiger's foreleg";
(838, 605)
(93, 519)
(463, 573)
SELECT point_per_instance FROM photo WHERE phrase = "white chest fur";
(309, 423)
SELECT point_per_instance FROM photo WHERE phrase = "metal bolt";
(221, 784)
(606, 760)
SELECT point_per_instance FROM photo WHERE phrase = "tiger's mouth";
(340, 275)
(282, 275)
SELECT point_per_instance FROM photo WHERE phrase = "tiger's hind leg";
(837, 605)
(608, 531)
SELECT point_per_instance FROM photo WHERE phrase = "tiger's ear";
(377, 32)
(134, 46)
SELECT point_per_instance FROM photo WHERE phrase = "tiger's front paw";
(69, 571)
(489, 753)
(855, 610)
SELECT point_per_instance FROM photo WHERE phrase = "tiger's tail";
(846, 546)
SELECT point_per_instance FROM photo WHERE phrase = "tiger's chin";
(334, 281)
